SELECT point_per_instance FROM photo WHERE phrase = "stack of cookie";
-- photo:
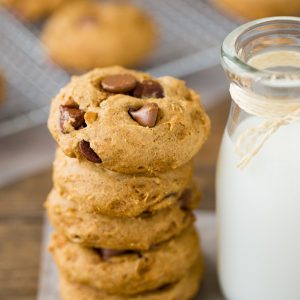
(123, 186)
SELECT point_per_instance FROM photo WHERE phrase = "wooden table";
(21, 217)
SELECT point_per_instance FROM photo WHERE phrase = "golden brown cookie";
(184, 289)
(96, 230)
(128, 121)
(127, 272)
(255, 9)
(87, 35)
(99, 190)
(33, 10)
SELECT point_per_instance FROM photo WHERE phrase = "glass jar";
(258, 172)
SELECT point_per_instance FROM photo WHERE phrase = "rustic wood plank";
(21, 217)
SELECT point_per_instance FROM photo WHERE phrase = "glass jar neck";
(263, 58)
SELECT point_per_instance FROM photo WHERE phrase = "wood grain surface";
(21, 217)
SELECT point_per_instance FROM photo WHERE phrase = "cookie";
(32, 10)
(86, 35)
(128, 121)
(96, 230)
(255, 9)
(184, 289)
(2, 88)
(126, 272)
(99, 190)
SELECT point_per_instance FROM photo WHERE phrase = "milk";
(259, 218)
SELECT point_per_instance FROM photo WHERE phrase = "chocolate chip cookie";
(128, 121)
(125, 271)
(86, 35)
(99, 190)
(33, 10)
(97, 230)
(184, 289)
(255, 9)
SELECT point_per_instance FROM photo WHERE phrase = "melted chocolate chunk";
(120, 83)
(148, 89)
(72, 114)
(88, 152)
(146, 115)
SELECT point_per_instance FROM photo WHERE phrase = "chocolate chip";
(71, 114)
(71, 103)
(146, 115)
(120, 83)
(185, 199)
(88, 152)
(148, 89)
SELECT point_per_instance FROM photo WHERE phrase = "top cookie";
(32, 10)
(128, 122)
(86, 35)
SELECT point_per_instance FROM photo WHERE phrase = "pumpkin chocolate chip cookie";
(33, 10)
(183, 289)
(128, 121)
(98, 190)
(127, 272)
(101, 231)
(255, 9)
(86, 35)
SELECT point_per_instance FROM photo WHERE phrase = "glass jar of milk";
(258, 173)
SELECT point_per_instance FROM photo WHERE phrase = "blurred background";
(44, 42)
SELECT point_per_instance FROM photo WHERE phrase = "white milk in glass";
(259, 217)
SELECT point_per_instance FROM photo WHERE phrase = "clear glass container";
(258, 172)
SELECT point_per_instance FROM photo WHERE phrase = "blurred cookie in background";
(32, 10)
(85, 35)
(255, 9)
(2, 87)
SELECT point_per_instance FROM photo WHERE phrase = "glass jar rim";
(232, 61)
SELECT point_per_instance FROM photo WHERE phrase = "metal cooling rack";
(190, 35)
(31, 79)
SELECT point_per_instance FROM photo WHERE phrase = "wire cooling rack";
(190, 35)
(31, 79)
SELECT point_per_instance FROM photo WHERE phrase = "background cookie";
(87, 34)
(33, 10)
(126, 272)
(255, 9)
(114, 194)
(184, 289)
(128, 122)
(100, 231)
